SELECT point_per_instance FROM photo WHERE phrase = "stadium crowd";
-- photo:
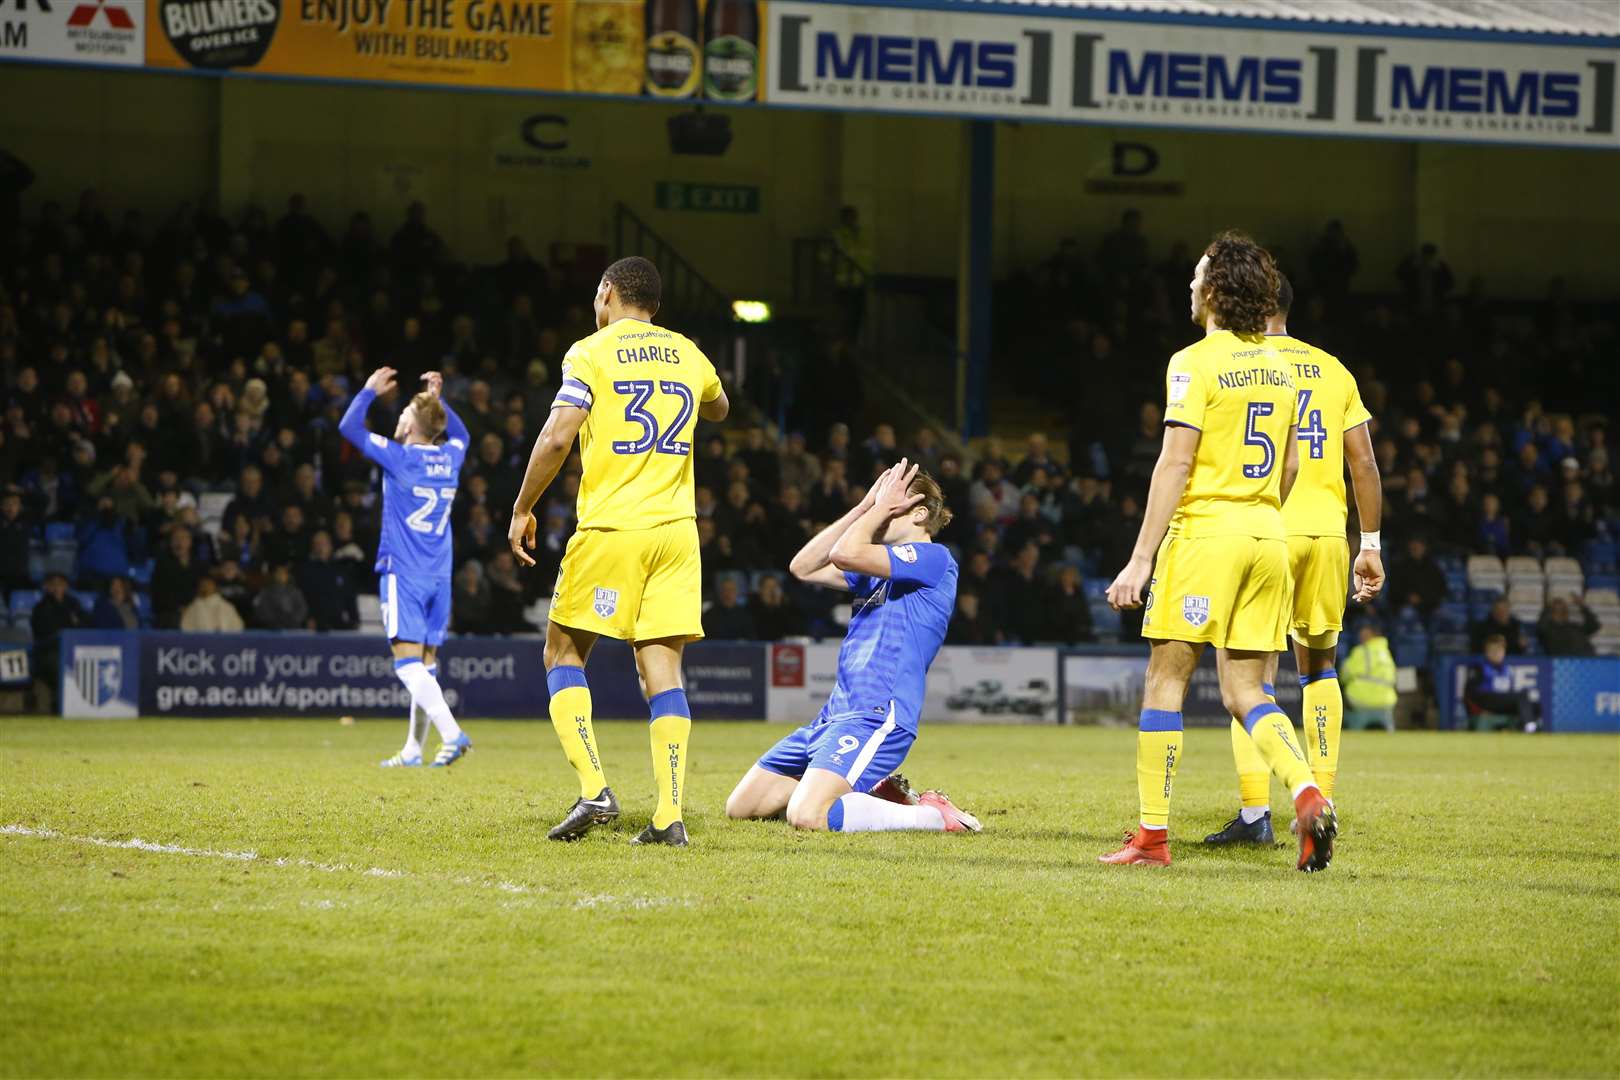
(169, 453)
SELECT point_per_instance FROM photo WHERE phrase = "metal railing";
(688, 295)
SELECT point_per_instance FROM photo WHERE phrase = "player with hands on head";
(414, 553)
(836, 773)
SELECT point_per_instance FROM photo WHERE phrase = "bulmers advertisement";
(660, 48)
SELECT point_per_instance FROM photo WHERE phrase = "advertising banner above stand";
(1087, 68)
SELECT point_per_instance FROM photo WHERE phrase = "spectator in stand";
(16, 530)
(1559, 632)
(798, 466)
(1539, 530)
(103, 545)
(1334, 262)
(506, 596)
(773, 616)
(1498, 622)
(55, 612)
(1426, 279)
(968, 624)
(251, 502)
(1493, 534)
(1065, 617)
(174, 579)
(1490, 688)
(327, 587)
(290, 543)
(115, 609)
(210, 612)
(729, 618)
(472, 601)
(1037, 455)
(994, 495)
(1417, 580)
(1021, 595)
(234, 586)
(280, 605)
(1367, 675)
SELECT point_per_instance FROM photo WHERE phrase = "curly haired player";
(1212, 554)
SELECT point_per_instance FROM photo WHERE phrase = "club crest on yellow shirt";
(607, 602)
(1195, 609)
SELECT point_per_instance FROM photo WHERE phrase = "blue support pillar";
(973, 290)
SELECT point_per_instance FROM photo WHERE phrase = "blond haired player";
(632, 393)
(1333, 431)
(1211, 552)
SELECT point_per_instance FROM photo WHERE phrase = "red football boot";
(896, 789)
(956, 819)
(1317, 825)
(1149, 847)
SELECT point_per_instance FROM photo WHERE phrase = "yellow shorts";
(1228, 591)
(1321, 568)
(632, 584)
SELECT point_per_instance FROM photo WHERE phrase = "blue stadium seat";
(1602, 556)
(143, 606)
(1451, 618)
(1412, 649)
(86, 598)
(1451, 643)
(1603, 581)
(1456, 585)
(1104, 619)
(22, 603)
(1095, 589)
(141, 573)
(60, 532)
(36, 567)
(62, 560)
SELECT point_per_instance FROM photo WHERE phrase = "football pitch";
(291, 909)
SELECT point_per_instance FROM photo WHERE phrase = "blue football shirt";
(419, 487)
(897, 627)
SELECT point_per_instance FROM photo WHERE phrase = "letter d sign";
(1134, 159)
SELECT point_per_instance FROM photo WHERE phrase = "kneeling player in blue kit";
(834, 773)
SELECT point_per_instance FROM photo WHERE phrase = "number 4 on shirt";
(1311, 430)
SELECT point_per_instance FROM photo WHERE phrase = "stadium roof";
(1561, 17)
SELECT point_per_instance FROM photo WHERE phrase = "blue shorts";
(415, 609)
(862, 751)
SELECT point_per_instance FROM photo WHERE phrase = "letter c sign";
(535, 135)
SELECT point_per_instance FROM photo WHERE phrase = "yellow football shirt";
(1329, 405)
(1240, 395)
(641, 385)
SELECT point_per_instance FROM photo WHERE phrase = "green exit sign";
(708, 198)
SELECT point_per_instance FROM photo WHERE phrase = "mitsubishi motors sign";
(1165, 74)
(74, 31)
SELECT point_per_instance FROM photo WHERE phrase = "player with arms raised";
(823, 775)
(632, 393)
(1214, 521)
(1333, 430)
(414, 554)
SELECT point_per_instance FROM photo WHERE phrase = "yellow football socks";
(1324, 718)
(669, 730)
(571, 720)
(1158, 752)
(1273, 736)
(1254, 775)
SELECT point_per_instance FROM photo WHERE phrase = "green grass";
(1468, 925)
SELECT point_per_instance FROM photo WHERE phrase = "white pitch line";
(138, 844)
